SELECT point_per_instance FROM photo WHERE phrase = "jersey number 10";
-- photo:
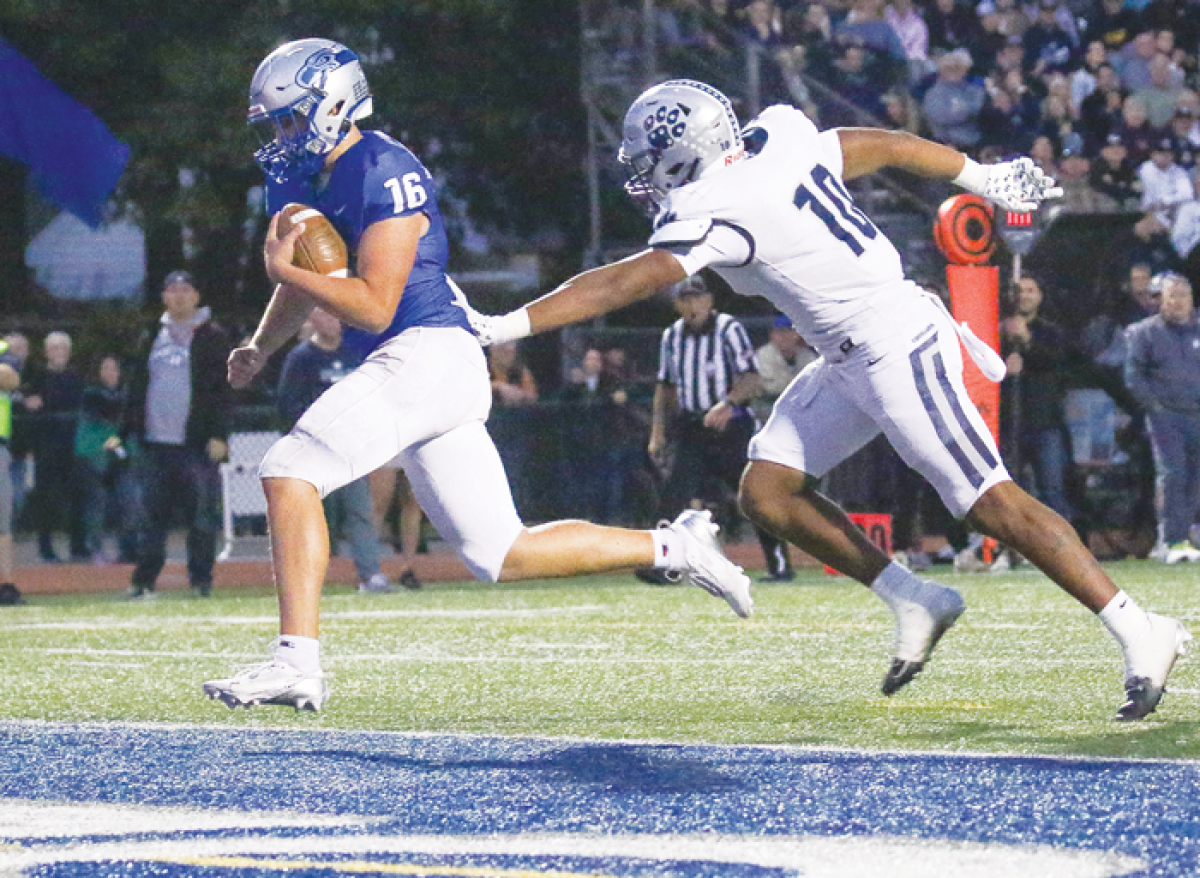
(840, 198)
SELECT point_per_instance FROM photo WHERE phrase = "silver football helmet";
(672, 133)
(303, 99)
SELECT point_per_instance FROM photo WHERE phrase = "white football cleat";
(1182, 551)
(968, 561)
(1147, 665)
(377, 584)
(271, 682)
(922, 617)
(707, 566)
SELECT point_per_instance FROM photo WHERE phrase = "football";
(319, 248)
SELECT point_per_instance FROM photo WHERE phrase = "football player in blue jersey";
(422, 392)
(771, 215)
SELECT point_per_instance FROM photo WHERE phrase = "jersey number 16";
(833, 190)
(407, 192)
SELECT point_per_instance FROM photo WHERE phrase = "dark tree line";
(486, 91)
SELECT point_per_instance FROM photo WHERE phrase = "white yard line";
(145, 622)
(541, 654)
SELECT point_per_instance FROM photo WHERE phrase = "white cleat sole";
(310, 702)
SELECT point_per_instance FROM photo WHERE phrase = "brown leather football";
(319, 248)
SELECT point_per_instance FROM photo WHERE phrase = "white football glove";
(481, 324)
(1019, 185)
(493, 329)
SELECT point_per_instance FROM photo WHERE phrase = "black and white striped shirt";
(703, 366)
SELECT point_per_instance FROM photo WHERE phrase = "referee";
(707, 375)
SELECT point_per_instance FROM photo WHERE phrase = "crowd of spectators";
(1103, 94)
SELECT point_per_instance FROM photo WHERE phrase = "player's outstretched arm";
(1018, 185)
(584, 296)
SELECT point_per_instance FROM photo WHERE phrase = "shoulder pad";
(755, 138)
(691, 231)
(782, 117)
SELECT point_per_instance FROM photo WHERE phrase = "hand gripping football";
(319, 248)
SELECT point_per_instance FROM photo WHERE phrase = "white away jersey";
(780, 224)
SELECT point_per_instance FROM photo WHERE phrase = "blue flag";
(75, 160)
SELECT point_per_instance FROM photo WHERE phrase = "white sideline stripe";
(144, 622)
(135, 653)
(537, 660)
(335, 660)
(510, 657)
(121, 659)
(812, 856)
(462, 614)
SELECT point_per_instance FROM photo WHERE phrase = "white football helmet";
(672, 133)
(304, 97)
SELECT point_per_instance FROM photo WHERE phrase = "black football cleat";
(899, 675)
(920, 624)
(1142, 698)
(1168, 643)
(659, 576)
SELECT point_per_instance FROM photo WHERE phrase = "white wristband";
(510, 326)
(973, 177)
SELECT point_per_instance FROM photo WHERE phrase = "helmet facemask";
(287, 146)
(639, 179)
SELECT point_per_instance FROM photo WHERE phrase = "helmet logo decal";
(665, 126)
(317, 68)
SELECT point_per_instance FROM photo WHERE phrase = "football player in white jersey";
(769, 212)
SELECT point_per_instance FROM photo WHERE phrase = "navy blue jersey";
(376, 179)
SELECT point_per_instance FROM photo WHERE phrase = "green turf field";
(1026, 670)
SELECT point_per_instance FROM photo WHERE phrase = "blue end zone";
(396, 787)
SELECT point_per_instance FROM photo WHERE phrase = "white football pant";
(908, 387)
(422, 396)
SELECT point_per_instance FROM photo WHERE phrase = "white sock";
(668, 549)
(302, 653)
(1125, 620)
(894, 584)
